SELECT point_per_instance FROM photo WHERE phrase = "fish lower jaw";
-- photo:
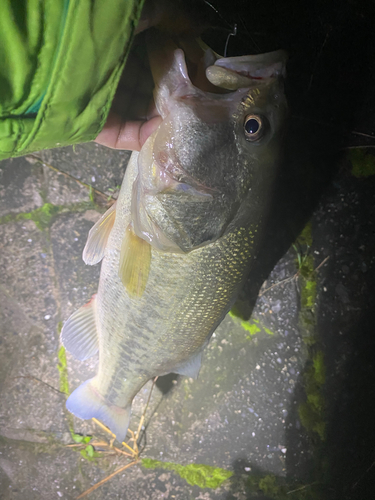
(169, 178)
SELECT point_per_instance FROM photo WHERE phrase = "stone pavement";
(284, 401)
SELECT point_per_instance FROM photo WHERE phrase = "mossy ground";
(200, 475)
(44, 215)
(252, 327)
(312, 410)
(363, 162)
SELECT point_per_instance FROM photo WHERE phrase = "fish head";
(210, 149)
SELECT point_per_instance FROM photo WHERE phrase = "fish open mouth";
(173, 179)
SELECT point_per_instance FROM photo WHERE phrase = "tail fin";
(85, 402)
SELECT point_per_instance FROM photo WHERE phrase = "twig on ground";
(363, 134)
(301, 488)
(291, 278)
(322, 263)
(363, 475)
(286, 280)
(31, 377)
(133, 452)
(97, 485)
(144, 411)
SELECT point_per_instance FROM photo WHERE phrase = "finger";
(148, 128)
(130, 135)
(152, 13)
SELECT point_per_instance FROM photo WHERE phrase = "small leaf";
(90, 450)
(77, 438)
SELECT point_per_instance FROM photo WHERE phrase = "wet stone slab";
(29, 316)
(105, 173)
(243, 412)
(21, 184)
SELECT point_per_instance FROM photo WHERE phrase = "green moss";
(279, 488)
(319, 368)
(92, 194)
(268, 486)
(308, 286)
(363, 162)
(312, 411)
(41, 216)
(305, 237)
(200, 475)
(90, 454)
(62, 366)
(63, 370)
(251, 327)
(311, 420)
(44, 215)
(307, 283)
(267, 330)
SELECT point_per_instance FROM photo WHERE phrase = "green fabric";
(60, 62)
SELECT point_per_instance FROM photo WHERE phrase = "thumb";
(130, 135)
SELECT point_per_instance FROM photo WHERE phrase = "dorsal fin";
(135, 260)
(98, 237)
(79, 334)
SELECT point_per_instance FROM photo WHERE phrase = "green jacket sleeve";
(60, 63)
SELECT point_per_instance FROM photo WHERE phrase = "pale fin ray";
(86, 402)
(191, 367)
(98, 236)
(135, 261)
(79, 334)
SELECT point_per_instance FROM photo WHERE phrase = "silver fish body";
(188, 220)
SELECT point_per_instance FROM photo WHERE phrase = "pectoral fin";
(79, 335)
(135, 260)
(98, 237)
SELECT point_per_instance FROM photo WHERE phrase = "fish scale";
(184, 234)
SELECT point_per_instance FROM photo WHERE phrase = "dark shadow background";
(331, 94)
(330, 90)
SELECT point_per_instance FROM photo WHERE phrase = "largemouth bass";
(183, 235)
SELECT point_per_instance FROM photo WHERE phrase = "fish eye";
(254, 126)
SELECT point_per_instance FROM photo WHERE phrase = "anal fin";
(135, 261)
(98, 237)
(79, 334)
(191, 367)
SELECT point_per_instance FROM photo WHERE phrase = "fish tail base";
(86, 402)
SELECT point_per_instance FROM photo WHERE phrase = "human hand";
(133, 116)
